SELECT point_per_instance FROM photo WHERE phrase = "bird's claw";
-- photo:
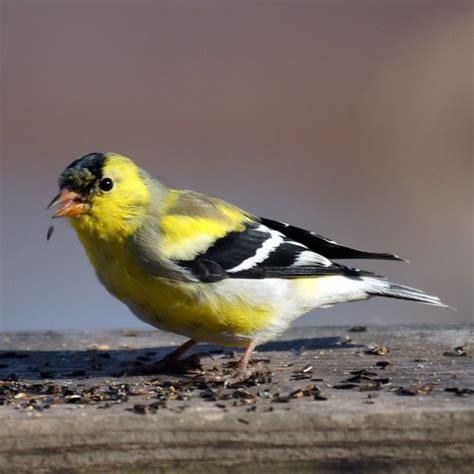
(254, 373)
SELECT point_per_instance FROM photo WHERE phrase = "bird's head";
(103, 193)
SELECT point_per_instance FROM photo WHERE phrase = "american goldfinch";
(200, 267)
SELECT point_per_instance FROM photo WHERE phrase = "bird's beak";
(70, 204)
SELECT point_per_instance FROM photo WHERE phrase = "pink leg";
(164, 364)
(241, 372)
(177, 353)
(244, 360)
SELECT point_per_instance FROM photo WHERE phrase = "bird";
(198, 266)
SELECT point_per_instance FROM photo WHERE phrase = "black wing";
(327, 247)
(262, 252)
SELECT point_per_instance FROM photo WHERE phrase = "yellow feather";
(186, 235)
(191, 309)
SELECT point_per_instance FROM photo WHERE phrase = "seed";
(50, 232)
(460, 351)
(415, 390)
(377, 350)
(358, 329)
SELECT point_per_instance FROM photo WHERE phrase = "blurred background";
(350, 118)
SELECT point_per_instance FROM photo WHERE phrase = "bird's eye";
(106, 184)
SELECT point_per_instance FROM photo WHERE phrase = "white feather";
(275, 239)
(311, 258)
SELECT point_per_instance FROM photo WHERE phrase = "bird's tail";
(380, 287)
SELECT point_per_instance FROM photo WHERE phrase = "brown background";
(353, 119)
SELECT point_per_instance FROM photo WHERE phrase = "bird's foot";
(253, 373)
(235, 373)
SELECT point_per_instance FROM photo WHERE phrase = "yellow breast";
(192, 309)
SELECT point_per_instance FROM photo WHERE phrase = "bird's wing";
(323, 245)
(210, 240)
(256, 252)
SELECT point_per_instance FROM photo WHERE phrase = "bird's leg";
(244, 360)
(178, 352)
(242, 372)
(168, 362)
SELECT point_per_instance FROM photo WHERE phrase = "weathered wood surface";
(138, 424)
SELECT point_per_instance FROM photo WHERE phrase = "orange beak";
(70, 203)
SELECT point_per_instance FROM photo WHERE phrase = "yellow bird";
(197, 266)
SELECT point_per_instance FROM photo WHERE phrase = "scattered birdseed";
(460, 392)
(345, 340)
(369, 385)
(377, 350)
(415, 390)
(75, 378)
(358, 329)
(301, 376)
(277, 398)
(99, 347)
(308, 391)
(365, 372)
(345, 386)
(140, 409)
(460, 351)
(297, 394)
(74, 398)
(241, 393)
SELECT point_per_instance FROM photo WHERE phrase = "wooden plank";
(393, 417)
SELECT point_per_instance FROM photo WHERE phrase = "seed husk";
(50, 232)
